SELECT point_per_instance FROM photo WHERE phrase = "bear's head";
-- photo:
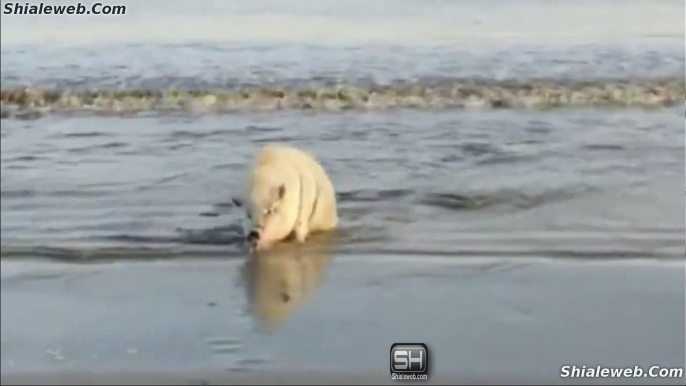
(272, 217)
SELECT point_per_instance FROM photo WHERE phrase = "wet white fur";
(308, 203)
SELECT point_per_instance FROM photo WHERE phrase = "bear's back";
(279, 153)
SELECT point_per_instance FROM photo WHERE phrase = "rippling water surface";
(450, 182)
(464, 146)
(457, 151)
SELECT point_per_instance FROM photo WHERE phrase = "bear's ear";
(281, 191)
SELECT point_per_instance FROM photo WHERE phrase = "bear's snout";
(253, 237)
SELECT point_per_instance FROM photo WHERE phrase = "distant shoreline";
(359, 22)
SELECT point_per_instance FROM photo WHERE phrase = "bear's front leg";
(301, 231)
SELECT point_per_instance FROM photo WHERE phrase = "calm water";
(461, 146)
(575, 183)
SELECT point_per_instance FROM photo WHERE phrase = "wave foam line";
(444, 95)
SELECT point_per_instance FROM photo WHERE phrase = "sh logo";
(409, 358)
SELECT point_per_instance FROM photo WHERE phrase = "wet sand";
(226, 321)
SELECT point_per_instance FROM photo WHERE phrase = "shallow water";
(485, 320)
(457, 183)
(516, 195)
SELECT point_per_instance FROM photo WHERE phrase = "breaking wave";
(423, 94)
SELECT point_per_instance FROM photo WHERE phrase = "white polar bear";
(288, 194)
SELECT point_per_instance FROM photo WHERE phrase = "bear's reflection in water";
(286, 277)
